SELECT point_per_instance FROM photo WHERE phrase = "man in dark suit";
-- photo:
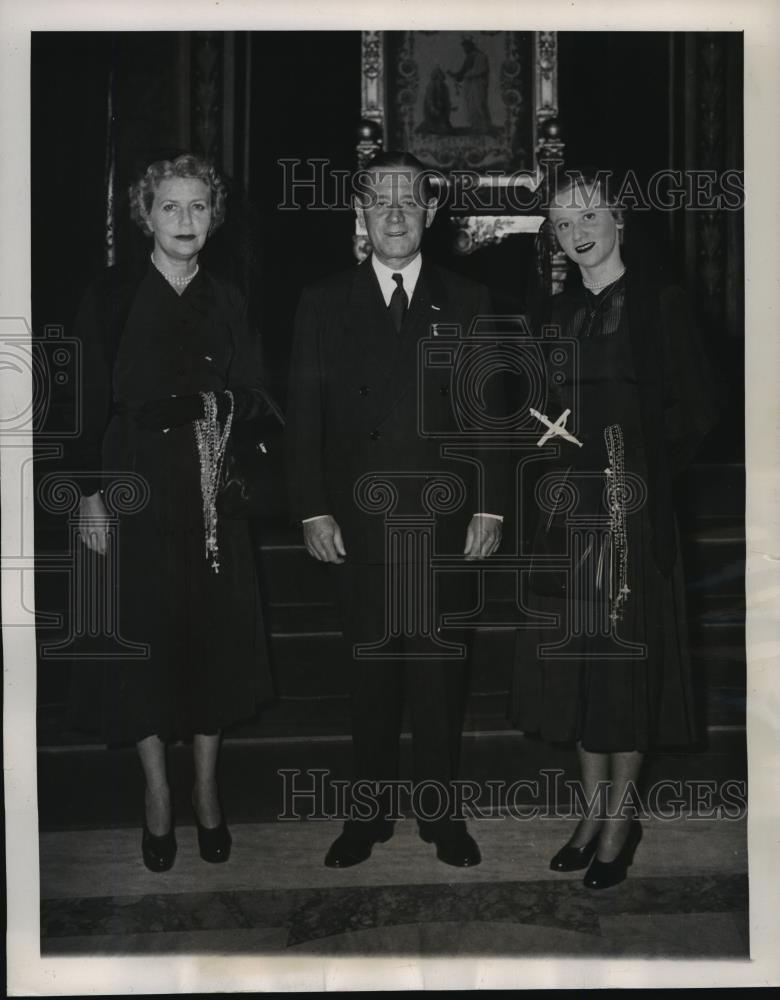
(357, 448)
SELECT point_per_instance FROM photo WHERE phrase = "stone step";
(712, 489)
(705, 610)
(93, 788)
(305, 629)
(317, 708)
(713, 557)
(313, 665)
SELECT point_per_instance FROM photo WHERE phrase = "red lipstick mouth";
(186, 236)
(584, 247)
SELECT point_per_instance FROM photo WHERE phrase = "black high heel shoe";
(603, 874)
(159, 853)
(213, 842)
(572, 859)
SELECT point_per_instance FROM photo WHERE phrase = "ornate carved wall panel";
(483, 101)
(207, 74)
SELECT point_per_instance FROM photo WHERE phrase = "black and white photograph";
(388, 545)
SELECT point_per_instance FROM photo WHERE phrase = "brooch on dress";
(556, 429)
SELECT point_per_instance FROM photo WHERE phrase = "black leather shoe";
(159, 853)
(353, 846)
(214, 842)
(454, 846)
(603, 874)
(572, 859)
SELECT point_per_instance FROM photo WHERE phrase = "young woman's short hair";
(599, 183)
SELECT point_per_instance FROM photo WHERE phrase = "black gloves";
(173, 411)
(252, 404)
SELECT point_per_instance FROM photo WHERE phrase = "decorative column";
(410, 612)
(549, 145)
(586, 567)
(93, 611)
(372, 125)
(207, 67)
(708, 66)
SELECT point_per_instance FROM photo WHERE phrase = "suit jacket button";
(374, 435)
(363, 390)
(444, 390)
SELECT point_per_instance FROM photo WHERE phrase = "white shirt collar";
(385, 276)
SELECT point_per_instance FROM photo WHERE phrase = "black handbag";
(251, 484)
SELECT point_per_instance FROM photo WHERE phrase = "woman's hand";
(174, 411)
(93, 523)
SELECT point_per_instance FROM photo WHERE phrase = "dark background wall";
(622, 99)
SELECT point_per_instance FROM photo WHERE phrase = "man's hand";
(93, 523)
(483, 537)
(323, 540)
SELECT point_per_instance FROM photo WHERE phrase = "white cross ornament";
(557, 429)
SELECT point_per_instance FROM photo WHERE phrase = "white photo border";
(29, 973)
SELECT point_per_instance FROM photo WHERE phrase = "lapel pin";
(555, 429)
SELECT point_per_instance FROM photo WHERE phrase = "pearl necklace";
(176, 280)
(595, 286)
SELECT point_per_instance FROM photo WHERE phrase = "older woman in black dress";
(170, 366)
(619, 682)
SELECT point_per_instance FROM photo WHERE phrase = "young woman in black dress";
(169, 363)
(619, 683)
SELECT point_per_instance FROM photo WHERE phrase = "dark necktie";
(398, 302)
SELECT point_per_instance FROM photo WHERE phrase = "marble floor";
(686, 895)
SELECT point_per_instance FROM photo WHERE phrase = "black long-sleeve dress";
(613, 670)
(207, 663)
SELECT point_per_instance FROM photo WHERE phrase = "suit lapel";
(427, 307)
(378, 356)
(369, 333)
